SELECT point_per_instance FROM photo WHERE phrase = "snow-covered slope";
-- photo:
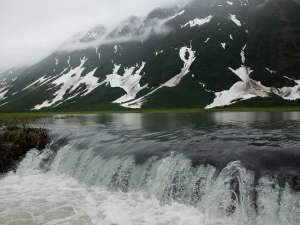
(208, 53)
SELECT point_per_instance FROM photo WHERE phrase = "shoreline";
(16, 141)
(14, 118)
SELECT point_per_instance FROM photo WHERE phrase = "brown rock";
(15, 142)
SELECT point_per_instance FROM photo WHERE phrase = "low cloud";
(139, 32)
(32, 29)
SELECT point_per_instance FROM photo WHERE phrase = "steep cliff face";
(203, 54)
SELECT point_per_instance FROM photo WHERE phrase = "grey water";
(185, 168)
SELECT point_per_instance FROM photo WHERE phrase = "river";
(159, 169)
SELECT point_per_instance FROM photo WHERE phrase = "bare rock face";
(15, 142)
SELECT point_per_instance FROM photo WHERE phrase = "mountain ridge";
(204, 54)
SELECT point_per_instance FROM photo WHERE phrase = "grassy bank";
(19, 118)
(26, 117)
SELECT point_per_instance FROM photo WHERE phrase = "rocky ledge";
(16, 141)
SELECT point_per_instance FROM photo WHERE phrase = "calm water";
(196, 168)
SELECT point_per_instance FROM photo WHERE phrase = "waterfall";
(108, 174)
(227, 196)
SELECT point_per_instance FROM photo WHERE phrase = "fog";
(32, 29)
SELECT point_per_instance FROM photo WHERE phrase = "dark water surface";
(165, 169)
(262, 141)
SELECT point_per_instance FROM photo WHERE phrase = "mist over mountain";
(33, 29)
(197, 54)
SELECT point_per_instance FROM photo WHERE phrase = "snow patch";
(243, 58)
(176, 15)
(3, 104)
(270, 70)
(4, 88)
(243, 72)
(68, 61)
(159, 52)
(183, 52)
(68, 83)
(98, 53)
(237, 92)
(38, 82)
(129, 82)
(187, 55)
(116, 48)
(248, 88)
(290, 93)
(202, 84)
(198, 22)
(3, 92)
(235, 20)
(56, 61)
(241, 90)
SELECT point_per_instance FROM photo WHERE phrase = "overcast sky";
(31, 29)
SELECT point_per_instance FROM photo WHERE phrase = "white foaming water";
(80, 187)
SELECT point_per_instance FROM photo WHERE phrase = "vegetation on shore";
(16, 141)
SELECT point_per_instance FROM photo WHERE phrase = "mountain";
(207, 53)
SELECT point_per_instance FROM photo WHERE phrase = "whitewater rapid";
(83, 189)
(71, 183)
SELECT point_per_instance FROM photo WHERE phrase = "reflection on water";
(276, 129)
(260, 140)
(162, 121)
(160, 169)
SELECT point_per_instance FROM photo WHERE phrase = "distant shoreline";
(8, 118)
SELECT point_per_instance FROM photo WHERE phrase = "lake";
(134, 168)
